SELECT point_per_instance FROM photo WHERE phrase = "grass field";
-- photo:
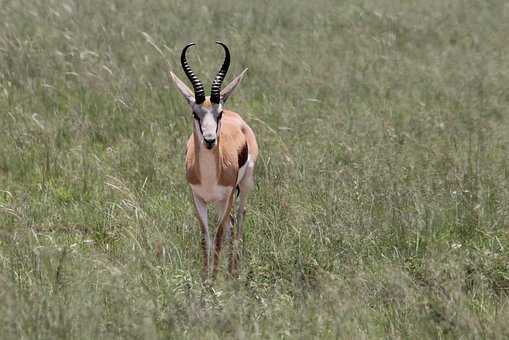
(381, 208)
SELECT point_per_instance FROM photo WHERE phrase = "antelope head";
(207, 111)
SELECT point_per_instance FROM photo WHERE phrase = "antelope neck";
(199, 147)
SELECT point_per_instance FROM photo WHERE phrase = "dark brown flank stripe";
(243, 155)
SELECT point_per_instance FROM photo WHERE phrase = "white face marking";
(209, 126)
(208, 123)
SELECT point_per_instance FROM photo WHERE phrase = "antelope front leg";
(201, 213)
(218, 242)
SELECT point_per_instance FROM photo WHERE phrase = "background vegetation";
(381, 207)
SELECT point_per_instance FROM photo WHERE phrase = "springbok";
(220, 160)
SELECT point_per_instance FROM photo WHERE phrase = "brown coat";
(234, 136)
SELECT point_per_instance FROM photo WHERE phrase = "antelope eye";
(220, 115)
(195, 116)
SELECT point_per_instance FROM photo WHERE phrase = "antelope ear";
(228, 90)
(183, 89)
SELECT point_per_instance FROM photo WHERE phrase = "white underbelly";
(211, 192)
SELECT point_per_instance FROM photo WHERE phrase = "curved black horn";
(215, 93)
(199, 91)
